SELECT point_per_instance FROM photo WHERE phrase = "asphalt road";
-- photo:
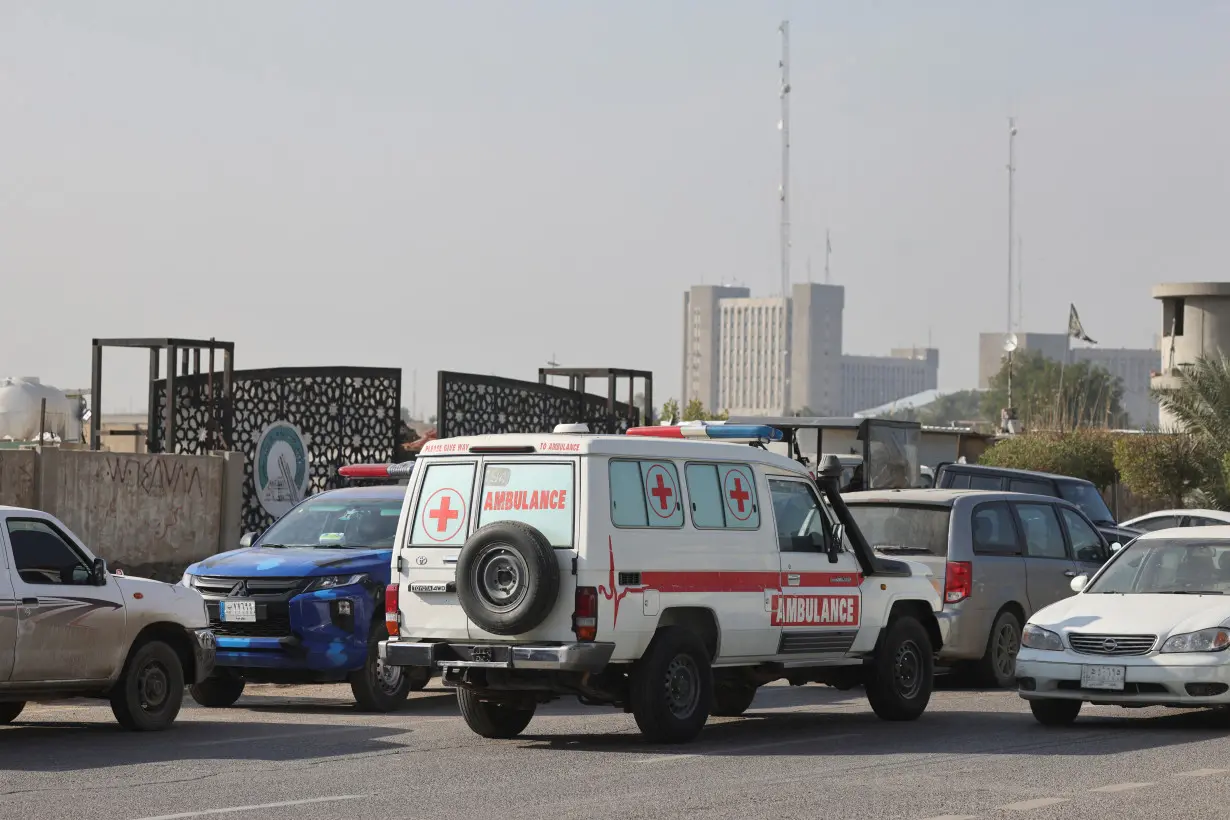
(303, 752)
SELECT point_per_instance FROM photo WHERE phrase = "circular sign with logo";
(737, 486)
(280, 468)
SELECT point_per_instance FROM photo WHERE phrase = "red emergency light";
(402, 470)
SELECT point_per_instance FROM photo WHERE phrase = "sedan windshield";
(1167, 566)
(1088, 499)
(336, 522)
(904, 528)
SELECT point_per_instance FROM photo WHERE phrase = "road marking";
(1202, 772)
(1121, 787)
(305, 734)
(1029, 805)
(204, 812)
(735, 749)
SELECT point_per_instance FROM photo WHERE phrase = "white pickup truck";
(68, 628)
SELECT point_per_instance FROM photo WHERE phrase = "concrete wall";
(151, 515)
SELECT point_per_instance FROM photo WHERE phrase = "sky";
(485, 186)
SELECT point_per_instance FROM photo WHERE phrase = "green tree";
(670, 410)
(1049, 396)
(1200, 403)
(1165, 467)
(1084, 453)
(695, 411)
(950, 408)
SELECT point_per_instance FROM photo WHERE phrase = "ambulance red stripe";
(668, 581)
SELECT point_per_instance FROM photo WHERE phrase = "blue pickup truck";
(303, 602)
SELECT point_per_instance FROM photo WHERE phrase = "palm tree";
(1200, 404)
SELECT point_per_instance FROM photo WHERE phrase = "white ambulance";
(653, 572)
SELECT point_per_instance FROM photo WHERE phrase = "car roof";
(572, 444)
(1011, 471)
(1217, 533)
(1219, 514)
(942, 496)
(390, 491)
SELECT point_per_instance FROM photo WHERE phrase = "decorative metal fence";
(471, 405)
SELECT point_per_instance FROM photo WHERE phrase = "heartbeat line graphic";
(611, 594)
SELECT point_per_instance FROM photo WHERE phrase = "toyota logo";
(422, 559)
(1110, 644)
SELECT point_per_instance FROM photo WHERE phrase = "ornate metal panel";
(347, 415)
(471, 405)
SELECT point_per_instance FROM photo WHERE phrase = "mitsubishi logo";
(1110, 645)
(239, 590)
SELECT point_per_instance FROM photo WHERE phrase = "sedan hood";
(291, 562)
(1134, 614)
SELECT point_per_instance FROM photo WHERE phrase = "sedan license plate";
(238, 611)
(1102, 677)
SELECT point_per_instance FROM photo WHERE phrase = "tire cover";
(507, 578)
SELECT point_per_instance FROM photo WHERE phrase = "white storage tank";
(21, 404)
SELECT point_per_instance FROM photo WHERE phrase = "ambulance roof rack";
(402, 470)
(716, 431)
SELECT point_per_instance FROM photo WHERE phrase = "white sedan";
(1167, 519)
(1151, 628)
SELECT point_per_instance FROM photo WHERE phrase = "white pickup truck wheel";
(10, 711)
(148, 695)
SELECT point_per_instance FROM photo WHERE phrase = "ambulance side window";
(645, 494)
(723, 496)
(801, 523)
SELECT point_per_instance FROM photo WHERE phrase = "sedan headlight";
(1035, 637)
(334, 581)
(186, 581)
(1206, 640)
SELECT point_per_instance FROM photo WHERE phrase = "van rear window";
(541, 495)
(904, 529)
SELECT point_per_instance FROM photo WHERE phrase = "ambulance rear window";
(541, 495)
(441, 517)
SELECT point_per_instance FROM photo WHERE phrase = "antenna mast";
(784, 191)
(1011, 173)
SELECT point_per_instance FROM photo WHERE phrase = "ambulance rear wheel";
(497, 721)
(672, 687)
(902, 674)
(732, 700)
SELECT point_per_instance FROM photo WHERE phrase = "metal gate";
(473, 405)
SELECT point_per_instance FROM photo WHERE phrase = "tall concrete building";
(1195, 323)
(871, 381)
(701, 341)
(753, 356)
(1134, 366)
(815, 344)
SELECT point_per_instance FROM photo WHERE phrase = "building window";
(1172, 316)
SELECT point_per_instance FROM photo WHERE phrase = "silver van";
(1002, 556)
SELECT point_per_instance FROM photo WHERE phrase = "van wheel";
(998, 666)
(378, 687)
(497, 721)
(732, 700)
(1055, 712)
(672, 687)
(902, 673)
(507, 578)
(149, 693)
(10, 711)
(217, 691)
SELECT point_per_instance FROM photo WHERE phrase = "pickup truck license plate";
(1102, 677)
(239, 611)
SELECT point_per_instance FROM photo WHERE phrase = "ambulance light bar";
(716, 432)
(402, 470)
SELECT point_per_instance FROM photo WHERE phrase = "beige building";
(701, 341)
(1195, 323)
(753, 356)
(871, 381)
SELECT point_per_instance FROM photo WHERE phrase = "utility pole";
(784, 191)
(828, 251)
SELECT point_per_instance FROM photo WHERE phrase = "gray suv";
(1002, 556)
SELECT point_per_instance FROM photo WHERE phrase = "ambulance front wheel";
(902, 673)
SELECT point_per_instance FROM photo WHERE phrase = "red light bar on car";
(402, 470)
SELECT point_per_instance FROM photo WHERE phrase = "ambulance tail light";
(958, 581)
(585, 614)
(392, 617)
(402, 470)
